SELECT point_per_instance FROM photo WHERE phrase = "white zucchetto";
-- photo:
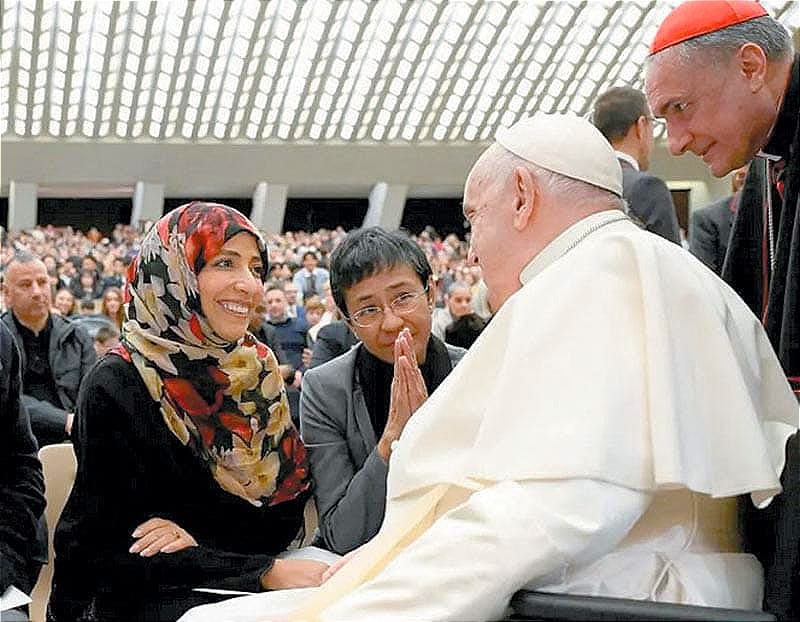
(567, 145)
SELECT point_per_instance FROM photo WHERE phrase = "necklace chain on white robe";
(591, 230)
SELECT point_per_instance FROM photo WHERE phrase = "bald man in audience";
(56, 352)
(590, 441)
(458, 302)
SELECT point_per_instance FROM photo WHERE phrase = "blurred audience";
(87, 286)
(105, 339)
(111, 306)
(465, 330)
(291, 331)
(67, 252)
(294, 308)
(64, 302)
(315, 311)
(310, 278)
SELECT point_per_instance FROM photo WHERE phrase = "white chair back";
(59, 467)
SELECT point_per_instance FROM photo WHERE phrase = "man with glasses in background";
(624, 118)
(354, 407)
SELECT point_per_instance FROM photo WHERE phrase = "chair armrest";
(543, 606)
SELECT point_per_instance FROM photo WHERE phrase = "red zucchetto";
(700, 17)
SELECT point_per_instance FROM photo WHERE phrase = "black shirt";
(37, 377)
(376, 379)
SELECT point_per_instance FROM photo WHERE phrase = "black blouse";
(132, 468)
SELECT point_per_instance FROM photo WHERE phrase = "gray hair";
(717, 47)
(455, 285)
(22, 256)
(555, 184)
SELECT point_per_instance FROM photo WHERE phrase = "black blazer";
(710, 230)
(332, 340)
(650, 202)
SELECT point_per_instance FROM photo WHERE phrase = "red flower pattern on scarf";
(165, 333)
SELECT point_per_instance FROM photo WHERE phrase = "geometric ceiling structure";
(316, 71)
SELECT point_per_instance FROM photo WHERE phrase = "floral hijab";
(226, 401)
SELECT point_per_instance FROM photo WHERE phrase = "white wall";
(218, 171)
(212, 170)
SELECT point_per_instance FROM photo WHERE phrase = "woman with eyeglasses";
(354, 407)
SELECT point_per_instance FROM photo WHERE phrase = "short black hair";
(617, 109)
(364, 252)
(311, 254)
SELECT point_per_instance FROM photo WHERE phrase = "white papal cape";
(591, 441)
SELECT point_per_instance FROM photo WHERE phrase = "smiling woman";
(191, 473)
(230, 285)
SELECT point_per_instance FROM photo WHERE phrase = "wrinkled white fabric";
(622, 361)
(677, 552)
(535, 528)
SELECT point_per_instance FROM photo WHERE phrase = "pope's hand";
(290, 573)
(338, 565)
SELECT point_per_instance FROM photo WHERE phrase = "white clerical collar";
(627, 158)
(768, 156)
(568, 239)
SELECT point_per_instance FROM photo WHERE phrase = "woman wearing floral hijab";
(190, 473)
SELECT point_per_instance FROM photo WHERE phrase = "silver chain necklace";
(591, 230)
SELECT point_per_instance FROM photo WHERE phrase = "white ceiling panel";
(314, 71)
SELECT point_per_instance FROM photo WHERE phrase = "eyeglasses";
(402, 305)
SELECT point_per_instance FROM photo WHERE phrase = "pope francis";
(594, 438)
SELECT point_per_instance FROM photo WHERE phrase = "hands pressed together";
(408, 392)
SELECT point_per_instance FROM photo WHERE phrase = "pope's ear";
(526, 193)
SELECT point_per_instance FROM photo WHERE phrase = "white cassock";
(592, 441)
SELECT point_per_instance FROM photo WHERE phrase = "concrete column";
(22, 206)
(148, 202)
(269, 206)
(386, 205)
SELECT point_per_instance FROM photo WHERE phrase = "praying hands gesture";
(407, 395)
